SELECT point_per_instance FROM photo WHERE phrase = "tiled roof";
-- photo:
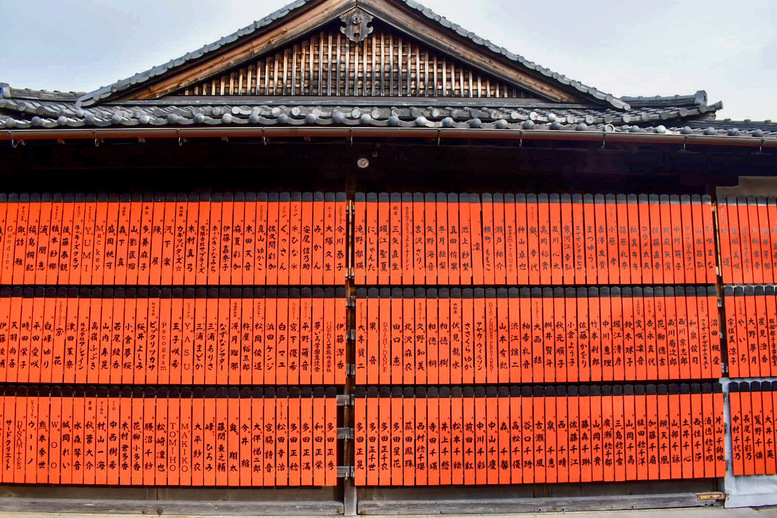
(687, 115)
(107, 92)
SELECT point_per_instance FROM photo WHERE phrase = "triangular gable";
(386, 63)
(350, 48)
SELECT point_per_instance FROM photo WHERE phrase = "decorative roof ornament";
(356, 25)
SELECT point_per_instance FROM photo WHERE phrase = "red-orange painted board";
(408, 423)
(522, 254)
(384, 437)
(406, 237)
(20, 248)
(390, 336)
(610, 222)
(555, 233)
(282, 338)
(396, 240)
(39, 266)
(580, 240)
(319, 436)
(419, 239)
(359, 233)
(9, 238)
(587, 213)
(543, 227)
(476, 239)
(566, 240)
(329, 250)
(661, 221)
(533, 253)
(360, 436)
(571, 336)
(371, 259)
(431, 362)
(607, 315)
(341, 238)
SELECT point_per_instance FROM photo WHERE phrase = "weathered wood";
(531, 505)
(276, 38)
(294, 70)
(350, 498)
(463, 50)
(338, 73)
(163, 507)
(319, 87)
(400, 72)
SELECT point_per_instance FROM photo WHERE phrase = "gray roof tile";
(35, 110)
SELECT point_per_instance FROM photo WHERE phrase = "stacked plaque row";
(748, 239)
(751, 331)
(167, 239)
(552, 335)
(249, 336)
(537, 435)
(533, 239)
(159, 437)
(752, 427)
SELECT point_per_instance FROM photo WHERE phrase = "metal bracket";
(357, 25)
(352, 335)
(345, 472)
(350, 370)
(344, 400)
(685, 140)
(345, 433)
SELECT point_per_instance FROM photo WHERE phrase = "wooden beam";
(265, 42)
(531, 505)
(159, 507)
(463, 50)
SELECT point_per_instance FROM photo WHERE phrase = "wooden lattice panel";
(328, 64)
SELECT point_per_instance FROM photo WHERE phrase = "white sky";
(624, 47)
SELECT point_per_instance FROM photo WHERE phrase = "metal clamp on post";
(345, 433)
(345, 472)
